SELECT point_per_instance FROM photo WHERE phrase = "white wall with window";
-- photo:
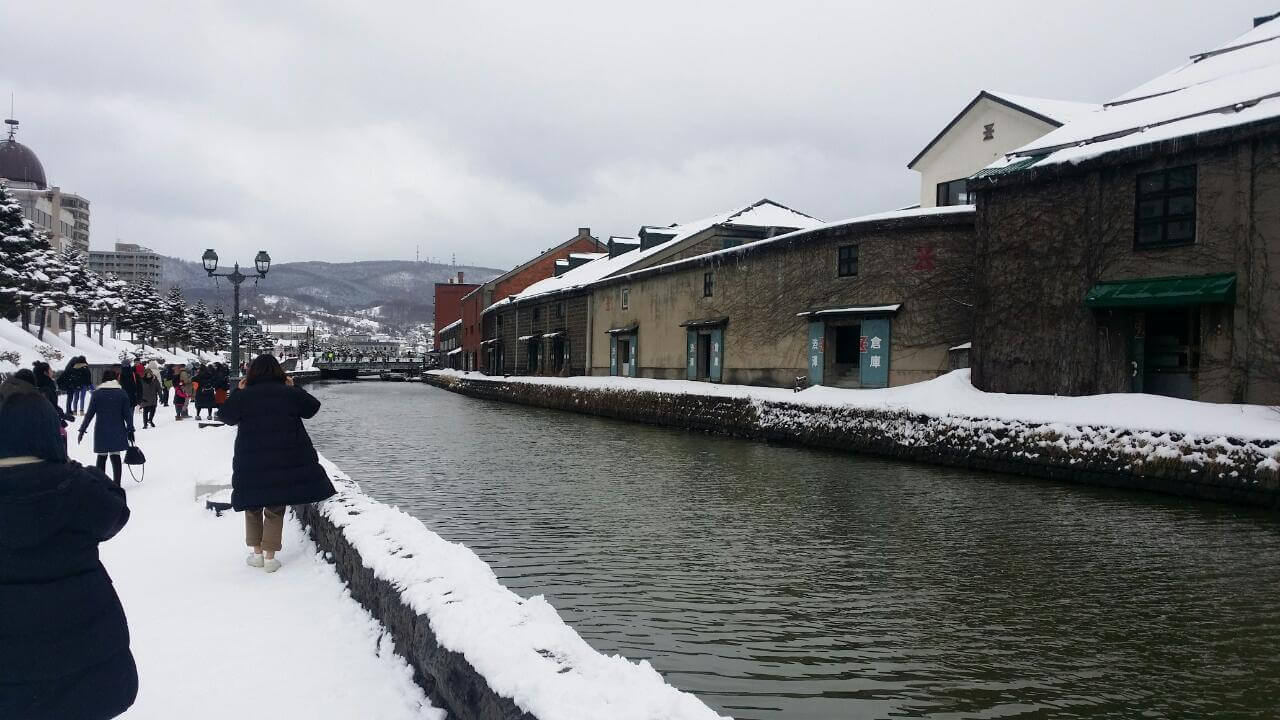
(991, 125)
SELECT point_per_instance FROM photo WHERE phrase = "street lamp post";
(262, 263)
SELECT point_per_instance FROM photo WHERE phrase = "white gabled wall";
(962, 152)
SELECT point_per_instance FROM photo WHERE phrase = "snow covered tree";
(176, 323)
(143, 314)
(22, 251)
(108, 303)
(58, 293)
(201, 323)
(220, 337)
(82, 288)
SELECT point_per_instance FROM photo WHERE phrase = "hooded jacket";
(59, 613)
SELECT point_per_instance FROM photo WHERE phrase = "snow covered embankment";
(483, 651)
(1220, 452)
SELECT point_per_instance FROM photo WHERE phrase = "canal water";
(778, 582)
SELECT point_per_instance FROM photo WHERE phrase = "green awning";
(1011, 168)
(1164, 292)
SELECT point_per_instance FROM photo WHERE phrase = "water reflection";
(780, 582)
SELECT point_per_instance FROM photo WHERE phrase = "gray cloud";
(342, 131)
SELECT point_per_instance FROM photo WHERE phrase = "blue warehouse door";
(634, 370)
(691, 355)
(717, 354)
(613, 354)
(816, 351)
(874, 361)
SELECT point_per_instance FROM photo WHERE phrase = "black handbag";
(133, 456)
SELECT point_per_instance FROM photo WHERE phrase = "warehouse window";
(1165, 212)
(848, 265)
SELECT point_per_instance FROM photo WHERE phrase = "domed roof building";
(64, 216)
(18, 164)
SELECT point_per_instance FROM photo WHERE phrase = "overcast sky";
(355, 131)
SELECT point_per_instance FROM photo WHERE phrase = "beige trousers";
(263, 527)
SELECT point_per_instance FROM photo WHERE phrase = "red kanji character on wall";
(926, 259)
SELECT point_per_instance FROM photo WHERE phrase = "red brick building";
(509, 283)
(448, 301)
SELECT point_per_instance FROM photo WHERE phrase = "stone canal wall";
(1223, 469)
(449, 680)
(479, 650)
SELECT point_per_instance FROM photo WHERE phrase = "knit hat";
(31, 428)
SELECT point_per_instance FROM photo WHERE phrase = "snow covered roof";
(1053, 112)
(1233, 84)
(451, 326)
(904, 214)
(762, 214)
(1059, 112)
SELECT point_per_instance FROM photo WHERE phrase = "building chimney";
(584, 232)
(459, 277)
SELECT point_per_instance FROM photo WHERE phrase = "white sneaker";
(271, 565)
(254, 560)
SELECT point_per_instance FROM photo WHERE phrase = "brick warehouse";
(511, 283)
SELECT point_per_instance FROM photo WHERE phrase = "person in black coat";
(75, 381)
(129, 383)
(49, 388)
(113, 431)
(274, 464)
(206, 391)
(64, 640)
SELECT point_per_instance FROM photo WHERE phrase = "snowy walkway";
(215, 638)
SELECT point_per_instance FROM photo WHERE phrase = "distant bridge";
(350, 370)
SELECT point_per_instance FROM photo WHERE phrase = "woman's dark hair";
(264, 368)
(40, 367)
(31, 428)
(110, 373)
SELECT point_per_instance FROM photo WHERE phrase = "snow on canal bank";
(953, 395)
(215, 638)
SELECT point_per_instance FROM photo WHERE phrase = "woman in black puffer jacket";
(64, 641)
(274, 464)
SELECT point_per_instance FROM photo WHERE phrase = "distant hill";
(395, 293)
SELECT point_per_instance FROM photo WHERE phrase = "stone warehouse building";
(1137, 248)
(868, 302)
(546, 329)
(577, 249)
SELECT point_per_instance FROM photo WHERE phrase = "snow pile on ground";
(215, 638)
(523, 648)
(13, 339)
(117, 345)
(953, 395)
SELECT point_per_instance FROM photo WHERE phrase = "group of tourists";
(66, 648)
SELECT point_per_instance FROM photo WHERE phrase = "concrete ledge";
(449, 680)
(1223, 470)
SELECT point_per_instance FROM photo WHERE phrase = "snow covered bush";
(10, 356)
(49, 353)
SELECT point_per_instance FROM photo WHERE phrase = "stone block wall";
(449, 680)
(1220, 469)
